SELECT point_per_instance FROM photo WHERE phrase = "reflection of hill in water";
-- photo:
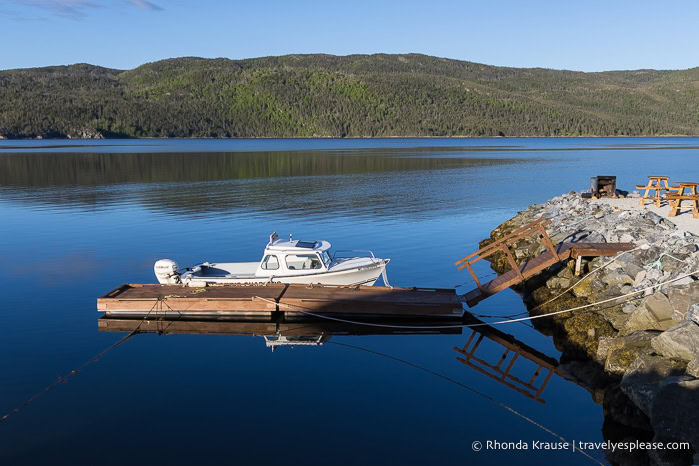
(199, 183)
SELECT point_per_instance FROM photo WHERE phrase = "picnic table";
(654, 184)
(675, 200)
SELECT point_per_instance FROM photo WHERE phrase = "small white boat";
(291, 261)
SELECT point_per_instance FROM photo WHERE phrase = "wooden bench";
(654, 184)
(676, 201)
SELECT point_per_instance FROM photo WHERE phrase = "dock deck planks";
(244, 300)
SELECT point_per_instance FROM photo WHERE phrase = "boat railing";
(366, 253)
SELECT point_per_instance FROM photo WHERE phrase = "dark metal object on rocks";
(603, 186)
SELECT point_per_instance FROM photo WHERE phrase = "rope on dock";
(456, 382)
(508, 321)
(64, 378)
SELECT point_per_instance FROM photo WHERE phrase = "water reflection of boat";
(308, 328)
(515, 357)
(275, 334)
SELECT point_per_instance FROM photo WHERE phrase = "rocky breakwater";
(638, 355)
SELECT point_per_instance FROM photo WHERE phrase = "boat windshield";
(326, 258)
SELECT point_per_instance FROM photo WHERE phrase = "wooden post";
(548, 244)
(512, 262)
(473, 274)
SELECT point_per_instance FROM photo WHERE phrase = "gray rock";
(628, 308)
(653, 217)
(624, 350)
(603, 345)
(680, 342)
(654, 275)
(683, 281)
(644, 376)
(693, 313)
(617, 278)
(654, 313)
(640, 276)
(674, 407)
(618, 321)
(632, 269)
(660, 306)
(681, 297)
(693, 367)
(588, 288)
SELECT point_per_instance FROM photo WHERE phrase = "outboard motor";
(167, 272)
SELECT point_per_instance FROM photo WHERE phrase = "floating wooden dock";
(263, 301)
(527, 269)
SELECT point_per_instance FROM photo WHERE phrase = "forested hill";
(358, 95)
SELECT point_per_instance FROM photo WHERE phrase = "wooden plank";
(230, 300)
(372, 300)
(541, 262)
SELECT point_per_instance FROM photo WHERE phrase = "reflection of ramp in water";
(314, 332)
(502, 369)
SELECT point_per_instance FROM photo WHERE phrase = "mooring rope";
(508, 321)
(473, 390)
(588, 275)
(64, 378)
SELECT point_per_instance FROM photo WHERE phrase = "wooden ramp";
(527, 269)
(261, 301)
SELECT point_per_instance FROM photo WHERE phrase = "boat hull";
(364, 275)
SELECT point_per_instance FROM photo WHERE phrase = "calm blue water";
(77, 221)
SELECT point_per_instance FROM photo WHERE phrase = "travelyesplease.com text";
(577, 445)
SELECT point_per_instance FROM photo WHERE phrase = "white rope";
(385, 278)
(645, 246)
(522, 319)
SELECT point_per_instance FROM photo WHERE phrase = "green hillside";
(358, 95)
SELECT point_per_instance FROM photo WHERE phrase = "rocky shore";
(638, 355)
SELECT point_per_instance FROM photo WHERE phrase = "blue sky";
(585, 35)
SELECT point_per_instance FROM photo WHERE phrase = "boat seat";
(311, 264)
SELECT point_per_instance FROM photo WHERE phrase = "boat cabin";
(294, 257)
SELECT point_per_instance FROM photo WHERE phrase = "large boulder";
(679, 342)
(682, 297)
(654, 313)
(673, 413)
(624, 350)
(644, 376)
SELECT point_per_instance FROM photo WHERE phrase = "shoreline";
(638, 356)
(5, 138)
